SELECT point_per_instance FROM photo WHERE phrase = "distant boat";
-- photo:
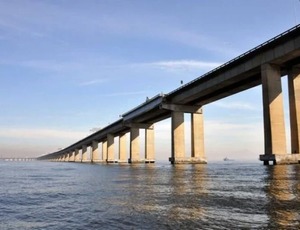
(227, 159)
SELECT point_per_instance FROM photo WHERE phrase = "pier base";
(123, 161)
(187, 160)
(135, 161)
(149, 161)
(85, 161)
(280, 159)
(111, 161)
(98, 161)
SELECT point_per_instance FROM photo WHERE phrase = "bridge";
(263, 65)
(17, 159)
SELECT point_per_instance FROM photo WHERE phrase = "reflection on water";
(235, 195)
(283, 193)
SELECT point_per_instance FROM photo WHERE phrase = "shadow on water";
(283, 195)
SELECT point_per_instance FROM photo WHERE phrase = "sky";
(68, 67)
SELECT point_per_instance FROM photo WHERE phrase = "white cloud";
(185, 64)
(235, 105)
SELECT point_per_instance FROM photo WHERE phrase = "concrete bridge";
(263, 65)
(17, 159)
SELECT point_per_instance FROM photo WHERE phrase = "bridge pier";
(110, 149)
(294, 99)
(178, 145)
(104, 151)
(197, 138)
(72, 156)
(67, 157)
(274, 127)
(95, 157)
(84, 154)
(77, 156)
(178, 134)
(122, 148)
(134, 155)
(149, 145)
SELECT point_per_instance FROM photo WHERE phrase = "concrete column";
(95, 152)
(67, 157)
(77, 156)
(72, 156)
(197, 138)
(178, 144)
(84, 154)
(104, 151)
(122, 148)
(134, 146)
(274, 127)
(149, 145)
(110, 149)
(294, 99)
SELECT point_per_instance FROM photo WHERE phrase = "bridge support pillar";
(134, 146)
(67, 157)
(149, 145)
(197, 138)
(84, 154)
(104, 151)
(178, 144)
(294, 96)
(122, 148)
(110, 149)
(178, 138)
(95, 152)
(274, 127)
(72, 156)
(77, 156)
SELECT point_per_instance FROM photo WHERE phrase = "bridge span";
(263, 65)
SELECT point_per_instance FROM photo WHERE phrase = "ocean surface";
(220, 195)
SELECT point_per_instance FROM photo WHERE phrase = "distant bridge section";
(264, 65)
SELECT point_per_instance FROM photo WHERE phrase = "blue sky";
(67, 67)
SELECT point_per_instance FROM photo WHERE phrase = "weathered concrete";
(134, 156)
(149, 145)
(197, 138)
(294, 99)
(110, 149)
(122, 149)
(275, 139)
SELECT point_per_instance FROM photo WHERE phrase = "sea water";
(219, 195)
